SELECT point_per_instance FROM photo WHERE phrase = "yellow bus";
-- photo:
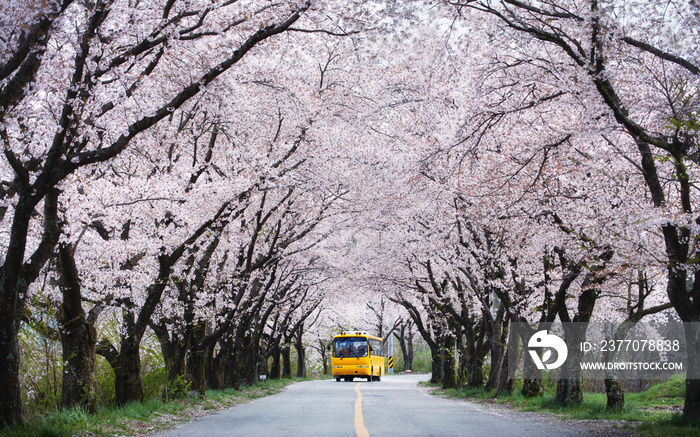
(356, 354)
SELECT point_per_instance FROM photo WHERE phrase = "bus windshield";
(345, 347)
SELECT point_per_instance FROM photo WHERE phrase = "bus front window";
(350, 347)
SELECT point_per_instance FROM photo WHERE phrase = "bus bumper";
(351, 370)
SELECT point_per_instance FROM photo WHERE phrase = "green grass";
(671, 392)
(652, 412)
(139, 418)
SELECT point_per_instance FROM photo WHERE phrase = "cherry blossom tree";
(76, 91)
(593, 40)
(476, 163)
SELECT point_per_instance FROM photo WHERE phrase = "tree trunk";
(127, 381)
(497, 345)
(174, 355)
(691, 409)
(229, 363)
(405, 337)
(613, 389)
(324, 356)
(692, 398)
(474, 367)
(436, 364)
(497, 353)
(505, 383)
(263, 368)
(569, 391)
(532, 380)
(10, 401)
(250, 359)
(175, 364)
(532, 388)
(233, 375)
(301, 356)
(475, 370)
(408, 355)
(275, 370)
(211, 371)
(615, 394)
(286, 362)
(449, 380)
(78, 340)
(570, 388)
(15, 279)
(78, 337)
(532, 376)
(461, 358)
(196, 362)
(126, 364)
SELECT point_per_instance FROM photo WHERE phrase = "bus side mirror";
(328, 347)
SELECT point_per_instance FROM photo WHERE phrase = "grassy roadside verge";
(142, 418)
(654, 412)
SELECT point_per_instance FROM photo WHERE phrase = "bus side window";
(376, 347)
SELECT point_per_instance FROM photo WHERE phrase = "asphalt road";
(396, 406)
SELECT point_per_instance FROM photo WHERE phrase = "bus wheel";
(337, 379)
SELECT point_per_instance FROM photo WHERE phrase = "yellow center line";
(359, 423)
